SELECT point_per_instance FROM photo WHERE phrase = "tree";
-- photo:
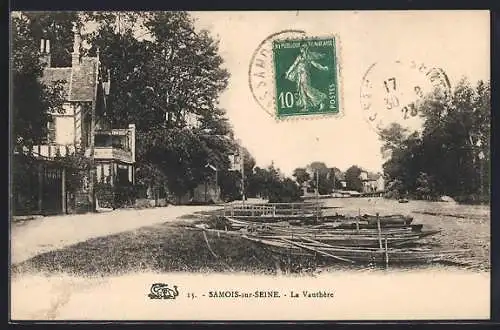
(162, 73)
(170, 72)
(393, 137)
(353, 181)
(318, 167)
(335, 176)
(31, 103)
(57, 27)
(285, 191)
(424, 186)
(31, 100)
(270, 183)
(323, 177)
(301, 175)
(451, 154)
(229, 182)
(395, 188)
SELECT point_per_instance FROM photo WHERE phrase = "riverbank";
(157, 240)
(109, 264)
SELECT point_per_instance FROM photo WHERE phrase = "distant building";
(372, 182)
(342, 180)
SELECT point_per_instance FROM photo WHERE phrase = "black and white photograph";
(249, 165)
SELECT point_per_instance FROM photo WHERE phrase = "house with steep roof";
(86, 89)
(372, 182)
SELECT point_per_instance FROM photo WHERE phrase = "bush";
(117, 196)
(286, 191)
(105, 193)
(125, 194)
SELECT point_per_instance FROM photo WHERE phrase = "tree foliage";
(57, 27)
(271, 184)
(31, 100)
(301, 175)
(163, 73)
(318, 174)
(451, 155)
(170, 70)
(352, 177)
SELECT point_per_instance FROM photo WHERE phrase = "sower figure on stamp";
(299, 72)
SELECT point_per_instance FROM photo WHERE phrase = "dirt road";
(33, 237)
(144, 240)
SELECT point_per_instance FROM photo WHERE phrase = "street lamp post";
(242, 163)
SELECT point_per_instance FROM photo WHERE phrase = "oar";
(315, 250)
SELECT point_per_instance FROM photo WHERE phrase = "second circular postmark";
(391, 91)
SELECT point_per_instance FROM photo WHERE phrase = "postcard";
(250, 165)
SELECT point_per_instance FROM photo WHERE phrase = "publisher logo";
(162, 291)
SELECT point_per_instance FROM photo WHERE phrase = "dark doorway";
(52, 190)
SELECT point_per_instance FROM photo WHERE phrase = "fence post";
(386, 254)
(40, 187)
(63, 190)
(379, 231)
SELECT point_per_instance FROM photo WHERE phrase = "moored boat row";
(352, 255)
(302, 230)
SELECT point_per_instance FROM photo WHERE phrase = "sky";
(456, 41)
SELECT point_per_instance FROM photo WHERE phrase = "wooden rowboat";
(369, 220)
(328, 228)
(387, 219)
(407, 231)
(361, 255)
(353, 225)
(352, 240)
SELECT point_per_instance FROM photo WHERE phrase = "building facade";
(85, 89)
(372, 182)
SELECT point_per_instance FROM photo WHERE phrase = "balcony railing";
(113, 153)
(52, 151)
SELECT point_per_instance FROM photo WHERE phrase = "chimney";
(75, 56)
(45, 57)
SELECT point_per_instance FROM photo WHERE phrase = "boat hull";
(359, 255)
(354, 240)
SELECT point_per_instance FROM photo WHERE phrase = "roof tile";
(53, 75)
(79, 82)
(84, 80)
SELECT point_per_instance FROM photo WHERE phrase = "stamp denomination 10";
(306, 76)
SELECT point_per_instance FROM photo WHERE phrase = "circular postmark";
(391, 91)
(261, 71)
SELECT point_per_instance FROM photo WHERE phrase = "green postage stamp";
(306, 77)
